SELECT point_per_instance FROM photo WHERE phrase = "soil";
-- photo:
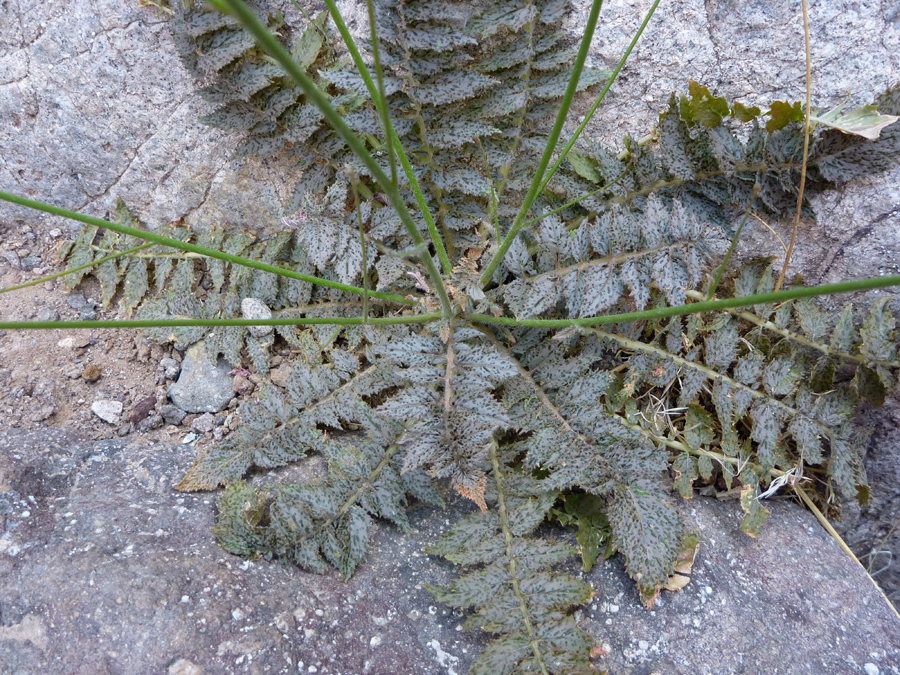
(52, 377)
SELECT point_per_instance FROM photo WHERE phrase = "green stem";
(795, 337)
(696, 307)
(392, 137)
(711, 373)
(609, 83)
(354, 181)
(175, 323)
(552, 139)
(314, 95)
(382, 99)
(202, 250)
(578, 199)
(720, 270)
(511, 564)
(51, 277)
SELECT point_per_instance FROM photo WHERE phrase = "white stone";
(73, 342)
(251, 308)
(107, 410)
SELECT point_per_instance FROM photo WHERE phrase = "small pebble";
(170, 367)
(75, 300)
(251, 308)
(107, 410)
(279, 376)
(150, 423)
(241, 385)
(142, 409)
(172, 414)
(48, 314)
(203, 424)
(79, 342)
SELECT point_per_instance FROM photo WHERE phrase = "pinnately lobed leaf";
(582, 426)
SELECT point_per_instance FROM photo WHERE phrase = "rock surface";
(203, 386)
(96, 106)
(104, 568)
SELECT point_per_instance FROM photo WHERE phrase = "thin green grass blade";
(273, 47)
(696, 307)
(382, 101)
(354, 181)
(535, 188)
(193, 248)
(57, 275)
(375, 94)
(174, 323)
(601, 96)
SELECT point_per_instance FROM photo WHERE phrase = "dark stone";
(150, 423)
(29, 262)
(172, 414)
(76, 300)
(141, 409)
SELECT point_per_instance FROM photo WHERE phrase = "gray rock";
(41, 402)
(72, 371)
(107, 410)
(172, 414)
(29, 262)
(151, 422)
(108, 554)
(11, 259)
(204, 424)
(76, 300)
(170, 367)
(203, 386)
(48, 314)
(88, 312)
(251, 308)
